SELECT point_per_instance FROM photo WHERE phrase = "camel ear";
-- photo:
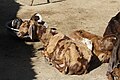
(36, 17)
(39, 17)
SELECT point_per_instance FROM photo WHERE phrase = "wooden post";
(48, 1)
(32, 3)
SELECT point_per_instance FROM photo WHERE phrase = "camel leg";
(48, 1)
(31, 3)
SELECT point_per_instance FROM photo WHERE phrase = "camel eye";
(80, 32)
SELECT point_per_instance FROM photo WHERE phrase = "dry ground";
(20, 60)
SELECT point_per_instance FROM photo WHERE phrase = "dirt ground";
(20, 60)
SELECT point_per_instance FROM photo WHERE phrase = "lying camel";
(102, 46)
(67, 55)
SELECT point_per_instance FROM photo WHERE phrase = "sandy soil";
(21, 60)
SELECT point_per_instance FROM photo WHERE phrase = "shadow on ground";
(94, 63)
(15, 63)
(8, 10)
(48, 3)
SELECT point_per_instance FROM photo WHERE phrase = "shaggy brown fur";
(32, 28)
(68, 56)
(101, 46)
